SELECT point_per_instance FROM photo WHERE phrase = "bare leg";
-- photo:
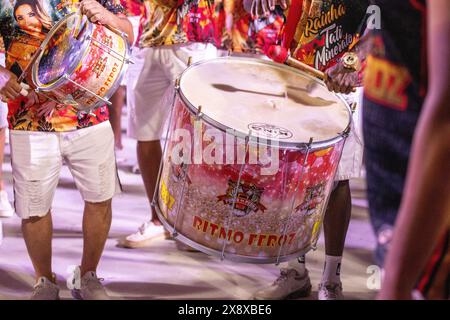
(337, 219)
(37, 233)
(149, 155)
(96, 224)
(115, 116)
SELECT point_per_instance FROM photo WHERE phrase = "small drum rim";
(315, 145)
(227, 256)
(56, 83)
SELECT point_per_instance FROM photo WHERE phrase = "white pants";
(352, 156)
(150, 85)
(37, 159)
(3, 106)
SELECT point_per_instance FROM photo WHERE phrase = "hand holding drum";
(10, 88)
(95, 12)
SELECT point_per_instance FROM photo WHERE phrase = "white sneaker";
(330, 291)
(142, 238)
(44, 289)
(6, 210)
(289, 285)
(89, 287)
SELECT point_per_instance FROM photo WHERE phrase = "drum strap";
(294, 15)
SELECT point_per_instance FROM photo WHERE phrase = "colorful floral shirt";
(167, 22)
(237, 31)
(23, 26)
(133, 8)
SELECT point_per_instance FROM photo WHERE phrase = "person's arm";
(99, 14)
(425, 210)
(10, 88)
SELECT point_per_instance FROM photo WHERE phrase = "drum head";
(62, 50)
(274, 101)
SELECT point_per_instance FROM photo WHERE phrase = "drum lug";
(199, 114)
(177, 84)
(346, 133)
(300, 178)
(235, 194)
(189, 62)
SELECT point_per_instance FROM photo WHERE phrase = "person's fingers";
(265, 8)
(348, 86)
(259, 12)
(337, 83)
(96, 18)
(10, 94)
(14, 85)
(272, 4)
(283, 4)
(253, 8)
(328, 83)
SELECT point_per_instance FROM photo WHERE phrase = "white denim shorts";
(3, 106)
(37, 158)
(352, 156)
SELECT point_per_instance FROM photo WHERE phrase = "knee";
(99, 206)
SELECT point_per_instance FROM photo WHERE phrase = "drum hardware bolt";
(199, 114)
(300, 179)
(353, 107)
(177, 83)
(189, 62)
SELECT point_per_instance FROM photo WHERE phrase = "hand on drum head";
(262, 8)
(10, 88)
(95, 12)
(340, 79)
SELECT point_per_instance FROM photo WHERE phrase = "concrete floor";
(161, 271)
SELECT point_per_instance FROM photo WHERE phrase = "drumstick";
(280, 55)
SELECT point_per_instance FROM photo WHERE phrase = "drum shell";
(100, 70)
(276, 216)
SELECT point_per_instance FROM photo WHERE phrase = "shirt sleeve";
(113, 5)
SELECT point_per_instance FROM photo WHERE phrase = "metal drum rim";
(315, 145)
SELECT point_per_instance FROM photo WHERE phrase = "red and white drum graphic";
(252, 151)
(81, 63)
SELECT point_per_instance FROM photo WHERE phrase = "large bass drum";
(250, 159)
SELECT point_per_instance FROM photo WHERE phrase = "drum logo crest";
(248, 197)
(270, 131)
(314, 197)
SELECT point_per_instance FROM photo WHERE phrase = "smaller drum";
(81, 63)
